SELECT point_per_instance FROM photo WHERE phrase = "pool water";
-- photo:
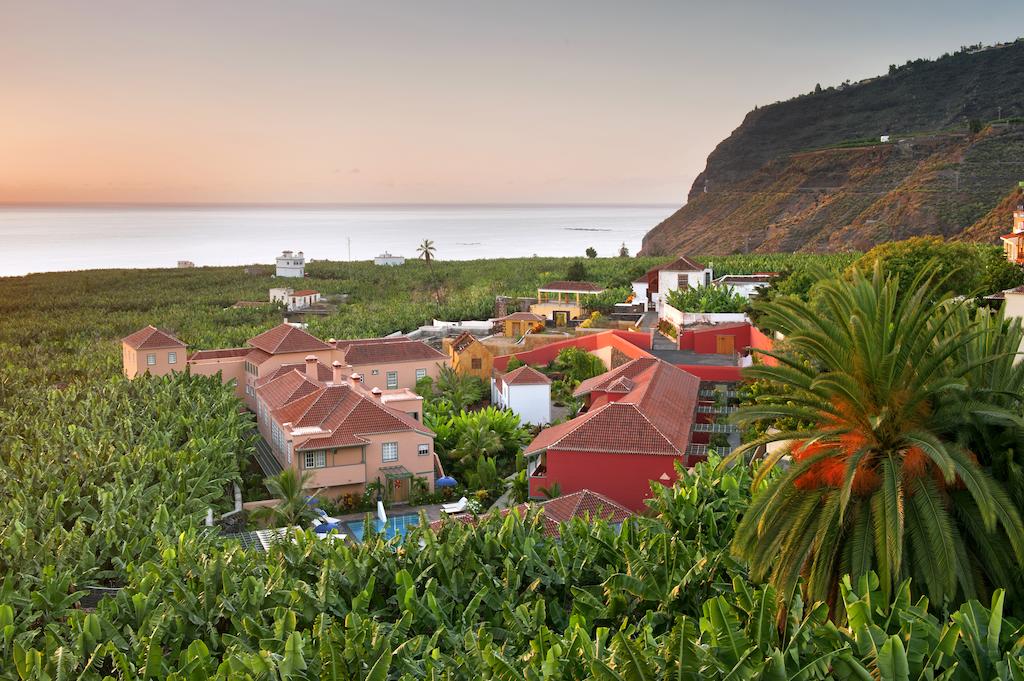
(394, 527)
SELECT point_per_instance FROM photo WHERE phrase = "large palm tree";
(427, 251)
(877, 482)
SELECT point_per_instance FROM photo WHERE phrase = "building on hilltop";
(388, 260)
(294, 300)
(291, 264)
(324, 421)
(151, 351)
(1013, 243)
(185, 264)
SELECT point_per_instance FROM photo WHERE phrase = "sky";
(439, 101)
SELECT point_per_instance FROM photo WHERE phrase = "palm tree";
(289, 488)
(478, 440)
(877, 482)
(426, 250)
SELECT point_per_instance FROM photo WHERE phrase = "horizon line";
(315, 204)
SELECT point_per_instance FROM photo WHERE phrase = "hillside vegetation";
(811, 174)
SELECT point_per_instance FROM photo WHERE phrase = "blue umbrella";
(324, 528)
(445, 481)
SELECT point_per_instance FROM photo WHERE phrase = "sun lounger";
(456, 507)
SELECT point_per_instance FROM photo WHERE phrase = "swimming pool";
(395, 526)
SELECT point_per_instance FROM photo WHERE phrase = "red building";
(639, 420)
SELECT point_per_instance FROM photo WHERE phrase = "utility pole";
(349, 239)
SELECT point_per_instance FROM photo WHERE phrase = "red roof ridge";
(151, 338)
(525, 375)
(285, 338)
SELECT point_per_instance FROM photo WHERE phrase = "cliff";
(811, 174)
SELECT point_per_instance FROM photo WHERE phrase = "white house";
(525, 391)
(640, 290)
(389, 260)
(1013, 308)
(680, 273)
(291, 265)
(746, 285)
(294, 300)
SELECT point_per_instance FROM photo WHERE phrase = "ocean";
(43, 239)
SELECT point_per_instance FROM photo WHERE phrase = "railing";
(712, 409)
(705, 450)
(715, 428)
(711, 393)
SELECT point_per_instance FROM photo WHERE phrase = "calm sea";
(70, 238)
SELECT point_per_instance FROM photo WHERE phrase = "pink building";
(151, 351)
(391, 363)
(325, 421)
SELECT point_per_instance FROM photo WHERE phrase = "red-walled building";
(640, 420)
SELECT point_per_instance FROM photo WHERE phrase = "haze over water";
(42, 239)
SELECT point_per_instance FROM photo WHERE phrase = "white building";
(291, 265)
(185, 264)
(294, 300)
(746, 285)
(387, 259)
(679, 274)
(525, 391)
(1013, 308)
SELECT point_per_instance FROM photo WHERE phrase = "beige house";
(152, 351)
(391, 363)
(562, 301)
(325, 421)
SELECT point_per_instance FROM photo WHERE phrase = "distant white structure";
(883, 138)
(525, 391)
(291, 264)
(681, 273)
(294, 300)
(388, 260)
(185, 264)
(746, 285)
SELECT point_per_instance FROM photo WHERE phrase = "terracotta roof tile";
(257, 356)
(463, 341)
(525, 375)
(384, 350)
(305, 292)
(219, 354)
(683, 264)
(325, 374)
(572, 286)
(285, 338)
(630, 370)
(654, 418)
(151, 338)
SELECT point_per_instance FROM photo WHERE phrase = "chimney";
(356, 378)
(336, 378)
(376, 392)
(311, 373)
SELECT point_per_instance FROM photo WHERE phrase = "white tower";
(291, 265)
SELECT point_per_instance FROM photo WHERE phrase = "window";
(392, 380)
(476, 363)
(315, 460)
(423, 450)
(682, 281)
(375, 372)
(172, 358)
(151, 359)
(389, 452)
(421, 374)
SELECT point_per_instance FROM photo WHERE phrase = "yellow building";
(520, 323)
(563, 301)
(469, 356)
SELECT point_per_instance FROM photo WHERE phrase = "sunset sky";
(426, 101)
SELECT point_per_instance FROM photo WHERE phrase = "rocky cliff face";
(811, 174)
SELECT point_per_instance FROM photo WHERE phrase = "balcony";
(332, 476)
(538, 479)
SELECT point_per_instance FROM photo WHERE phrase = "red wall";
(704, 341)
(624, 478)
(760, 341)
(632, 343)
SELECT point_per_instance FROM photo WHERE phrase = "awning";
(395, 472)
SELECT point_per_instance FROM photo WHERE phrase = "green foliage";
(878, 481)
(514, 363)
(706, 299)
(591, 253)
(605, 301)
(577, 271)
(577, 365)
(288, 487)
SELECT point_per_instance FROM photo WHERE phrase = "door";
(725, 345)
(399, 490)
(561, 318)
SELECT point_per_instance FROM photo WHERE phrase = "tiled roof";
(257, 356)
(305, 292)
(285, 338)
(325, 374)
(573, 286)
(383, 350)
(1016, 289)
(1012, 235)
(285, 388)
(582, 504)
(463, 341)
(521, 317)
(630, 369)
(654, 418)
(525, 375)
(219, 354)
(683, 264)
(151, 338)
(347, 414)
